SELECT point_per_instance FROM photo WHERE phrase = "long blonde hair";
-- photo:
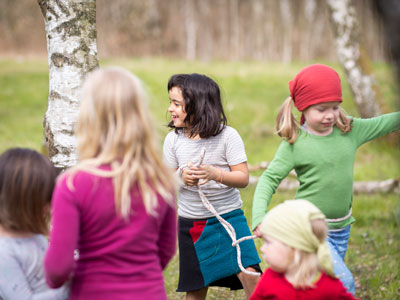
(115, 128)
(306, 264)
(287, 126)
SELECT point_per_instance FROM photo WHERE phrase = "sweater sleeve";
(59, 259)
(368, 129)
(259, 291)
(269, 181)
(169, 156)
(167, 238)
(13, 282)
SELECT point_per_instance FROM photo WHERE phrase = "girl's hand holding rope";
(188, 177)
(205, 173)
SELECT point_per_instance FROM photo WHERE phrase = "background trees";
(289, 30)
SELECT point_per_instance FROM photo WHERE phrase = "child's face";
(320, 118)
(177, 107)
(276, 254)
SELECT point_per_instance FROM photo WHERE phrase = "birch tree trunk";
(72, 52)
(353, 59)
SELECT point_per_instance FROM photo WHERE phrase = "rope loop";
(228, 227)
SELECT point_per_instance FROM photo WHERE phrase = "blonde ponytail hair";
(286, 123)
(287, 126)
(114, 128)
(306, 264)
(343, 122)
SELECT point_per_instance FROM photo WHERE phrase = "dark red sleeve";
(332, 288)
(259, 291)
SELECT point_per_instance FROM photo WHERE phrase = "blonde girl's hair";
(114, 127)
(287, 126)
(306, 264)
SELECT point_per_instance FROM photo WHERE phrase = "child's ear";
(46, 209)
(291, 254)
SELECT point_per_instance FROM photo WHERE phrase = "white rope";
(228, 227)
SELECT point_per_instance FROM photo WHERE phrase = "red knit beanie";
(315, 84)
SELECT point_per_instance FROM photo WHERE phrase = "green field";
(252, 94)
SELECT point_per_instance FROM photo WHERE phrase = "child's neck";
(196, 137)
(13, 234)
(291, 273)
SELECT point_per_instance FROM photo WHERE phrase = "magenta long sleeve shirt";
(118, 259)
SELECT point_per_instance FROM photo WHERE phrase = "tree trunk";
(234, 29)
(191, 29)
(287, 25)
(353, 58)
(72, 53)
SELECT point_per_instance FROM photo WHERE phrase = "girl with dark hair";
(206, 255)
(27, 180)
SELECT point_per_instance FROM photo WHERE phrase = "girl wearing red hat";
(322, 153)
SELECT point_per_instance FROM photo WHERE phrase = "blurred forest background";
(284, 31)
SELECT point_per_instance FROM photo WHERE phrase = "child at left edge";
(27, 180)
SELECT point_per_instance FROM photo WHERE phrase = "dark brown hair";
(203, 105)
(27, 180)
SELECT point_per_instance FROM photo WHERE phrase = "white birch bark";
(72, 52)
(353, 60)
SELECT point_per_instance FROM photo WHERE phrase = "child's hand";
(206, 173)
(188, 176)
(257, 231)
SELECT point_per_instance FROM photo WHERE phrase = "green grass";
(252, 94)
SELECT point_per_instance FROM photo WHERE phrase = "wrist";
(179, 172)
(220, 179)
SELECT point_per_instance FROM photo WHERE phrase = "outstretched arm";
(269, 181)
(372, 128)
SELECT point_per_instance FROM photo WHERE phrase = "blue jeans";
(338, 242)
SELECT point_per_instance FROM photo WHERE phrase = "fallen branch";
(367, 187)
(264, 165)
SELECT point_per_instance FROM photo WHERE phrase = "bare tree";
(353, 58)
(72, 52)
(191, 29)
(287, 24)
(234, 29)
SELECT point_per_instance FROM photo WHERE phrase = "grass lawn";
(252, 94)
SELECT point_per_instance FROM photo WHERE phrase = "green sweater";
(324, 168)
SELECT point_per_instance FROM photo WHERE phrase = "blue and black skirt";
(206, 254)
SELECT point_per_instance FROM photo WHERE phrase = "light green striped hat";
(290, 223)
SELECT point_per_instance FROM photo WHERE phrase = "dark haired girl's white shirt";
(224, 150)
